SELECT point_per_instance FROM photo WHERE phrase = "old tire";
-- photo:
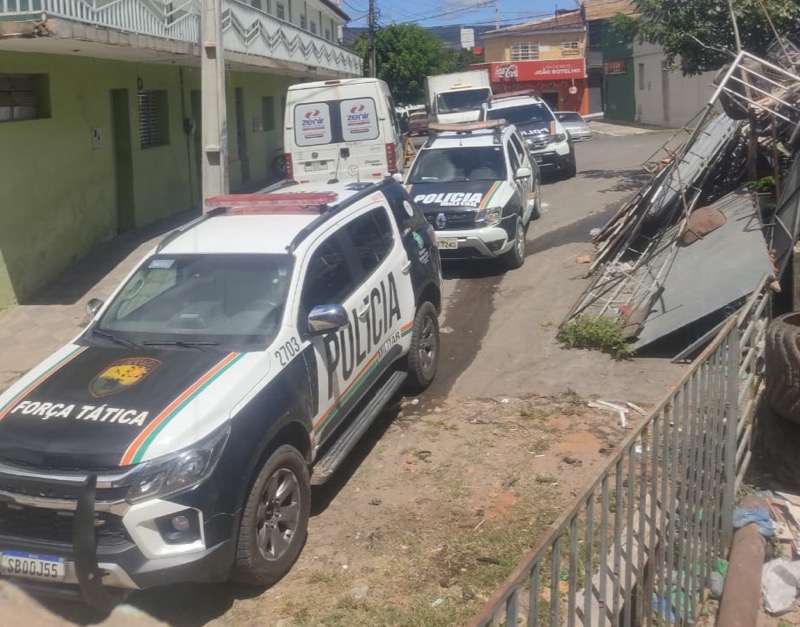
(515, 257)
(782, 376)
(274, 524)
(423, 356)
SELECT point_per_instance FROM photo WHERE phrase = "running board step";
(337, 453)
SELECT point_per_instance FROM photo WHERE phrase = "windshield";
(461, 100)
(524, 114)
(478, 163)
(230, 300)
(570, 117)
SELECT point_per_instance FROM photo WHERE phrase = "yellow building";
(546, 56)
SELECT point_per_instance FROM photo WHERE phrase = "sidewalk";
(623, 129)
(31, 331)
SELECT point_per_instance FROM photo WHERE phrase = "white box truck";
(457, 97)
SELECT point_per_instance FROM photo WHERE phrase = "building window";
(24, 97)
(524, 52)
(641, 76)
(256, 4)
(313, 27)
(153, 119)
(303, 22)
(570, 48)
(327, 34)
(268, 112)
(280, 10)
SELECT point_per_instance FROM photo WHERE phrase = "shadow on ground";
(629, 180)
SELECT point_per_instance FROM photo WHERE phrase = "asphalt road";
(499, 327)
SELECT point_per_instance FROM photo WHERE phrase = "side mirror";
(93, 306)
(523, 173)
(327, 318)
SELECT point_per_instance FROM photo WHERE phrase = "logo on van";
(312, 114)
(357, 109)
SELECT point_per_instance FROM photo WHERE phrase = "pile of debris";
(718, 219)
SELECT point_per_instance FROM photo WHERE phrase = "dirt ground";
(428, 526)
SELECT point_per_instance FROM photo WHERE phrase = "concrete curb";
(741, 597)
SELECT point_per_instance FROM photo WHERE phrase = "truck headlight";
(172, 473)
(490, 217)
(559, 137)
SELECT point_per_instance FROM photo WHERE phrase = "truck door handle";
(406, 267)
(365, 311)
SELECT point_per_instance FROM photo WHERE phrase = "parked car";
(548, 141)
(479, 188)
(176, 438)
(418, 123)
(576, 126)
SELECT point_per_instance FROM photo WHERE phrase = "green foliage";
(602, 333)
(624, 27)
(764, 184)
(406, 54)
(700, 33)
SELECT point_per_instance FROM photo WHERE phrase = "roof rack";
(513, 94)
(467, 127)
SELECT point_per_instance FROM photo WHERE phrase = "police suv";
(478, 186)
(548, 141)
(176, 438)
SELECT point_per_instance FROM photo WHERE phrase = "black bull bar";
(90, 577)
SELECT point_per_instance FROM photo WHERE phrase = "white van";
(342, 129)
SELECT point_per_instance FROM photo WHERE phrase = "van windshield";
(524, 114)
(462, 100)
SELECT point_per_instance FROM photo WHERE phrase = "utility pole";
(371, 45)
(213, 111)
(497, 16)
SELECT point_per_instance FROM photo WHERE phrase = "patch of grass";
(602, 333)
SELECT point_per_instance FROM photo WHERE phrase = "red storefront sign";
(615, 67)
(523, 71)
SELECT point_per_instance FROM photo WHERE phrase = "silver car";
(576, 126)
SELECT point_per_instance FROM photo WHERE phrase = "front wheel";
(515, 257)
(536, 212)
(274, 524)
(423, 356)
(571, 169)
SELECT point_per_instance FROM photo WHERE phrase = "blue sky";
(444, 12)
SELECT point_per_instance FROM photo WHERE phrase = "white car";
(548, 141)
(176, 438)
(479, 188)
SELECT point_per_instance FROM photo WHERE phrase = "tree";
(406, 54)
(700, 32)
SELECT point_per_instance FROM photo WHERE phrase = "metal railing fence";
(638, 544)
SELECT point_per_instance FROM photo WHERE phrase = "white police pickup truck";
(176, 438)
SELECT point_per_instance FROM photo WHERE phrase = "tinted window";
(478, 163)
(569, 117)
(329, 280)
(226, 299)
(524, 114)
(372, 239)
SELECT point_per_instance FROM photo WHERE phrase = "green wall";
(59, 192)
(620, 97)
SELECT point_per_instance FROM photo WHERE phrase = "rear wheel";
(571, 169)
(536, 212)
(274, 524)
(515, 257)
(423, 356)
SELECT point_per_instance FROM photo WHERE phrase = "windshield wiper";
(113, 338)
(182, 344)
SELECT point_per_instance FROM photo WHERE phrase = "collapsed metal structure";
(685, 252)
